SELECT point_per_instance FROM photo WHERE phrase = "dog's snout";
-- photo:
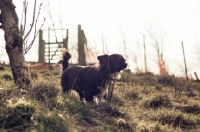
(125, 64)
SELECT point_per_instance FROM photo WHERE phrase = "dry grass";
(142, 102)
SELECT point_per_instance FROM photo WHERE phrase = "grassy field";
(141, 103)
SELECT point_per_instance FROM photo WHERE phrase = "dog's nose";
(126, 64)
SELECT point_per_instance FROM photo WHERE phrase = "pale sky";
(172, 21)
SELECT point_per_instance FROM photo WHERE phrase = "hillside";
(141, 103)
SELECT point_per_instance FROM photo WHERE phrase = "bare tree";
(158, 40)
(27, 46)
(14, 43)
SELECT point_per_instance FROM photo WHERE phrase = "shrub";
(52, 122)
(74, 106)
(194, 109)
(191, 94)
(2, 68)
(158, 87)
(132, 96)
(195, 85)
(166, 80)
(178, 121)
(16, 118)
(44, 92)
(7, 77)
(159, 101)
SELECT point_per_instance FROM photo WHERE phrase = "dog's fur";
(89, 81)
(109, 83)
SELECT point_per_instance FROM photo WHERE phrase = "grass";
(141, 103)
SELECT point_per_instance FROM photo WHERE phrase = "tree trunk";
(14, 44)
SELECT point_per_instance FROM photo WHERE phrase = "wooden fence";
(49, 50)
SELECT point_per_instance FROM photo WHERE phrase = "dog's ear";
(103, 58)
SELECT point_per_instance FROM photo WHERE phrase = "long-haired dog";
(90, 81)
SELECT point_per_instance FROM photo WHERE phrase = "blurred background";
(150, 34)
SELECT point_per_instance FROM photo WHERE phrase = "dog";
(89, 81)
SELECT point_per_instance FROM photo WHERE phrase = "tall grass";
(141, 102)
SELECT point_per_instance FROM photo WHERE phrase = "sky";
(120, 25)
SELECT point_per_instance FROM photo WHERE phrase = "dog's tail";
(65, 57)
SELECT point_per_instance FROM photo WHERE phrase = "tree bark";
(14, 44)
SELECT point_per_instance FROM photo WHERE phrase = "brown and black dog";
(89, 81)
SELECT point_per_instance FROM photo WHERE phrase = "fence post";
(197, 78)
(184, 62)
(49, 47)
(81, 47)
(41, 47)
(103, 45)
(65, 41)
(145, 61)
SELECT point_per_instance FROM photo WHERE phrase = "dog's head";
(112, 63)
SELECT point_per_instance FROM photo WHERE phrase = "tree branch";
(32, 21)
